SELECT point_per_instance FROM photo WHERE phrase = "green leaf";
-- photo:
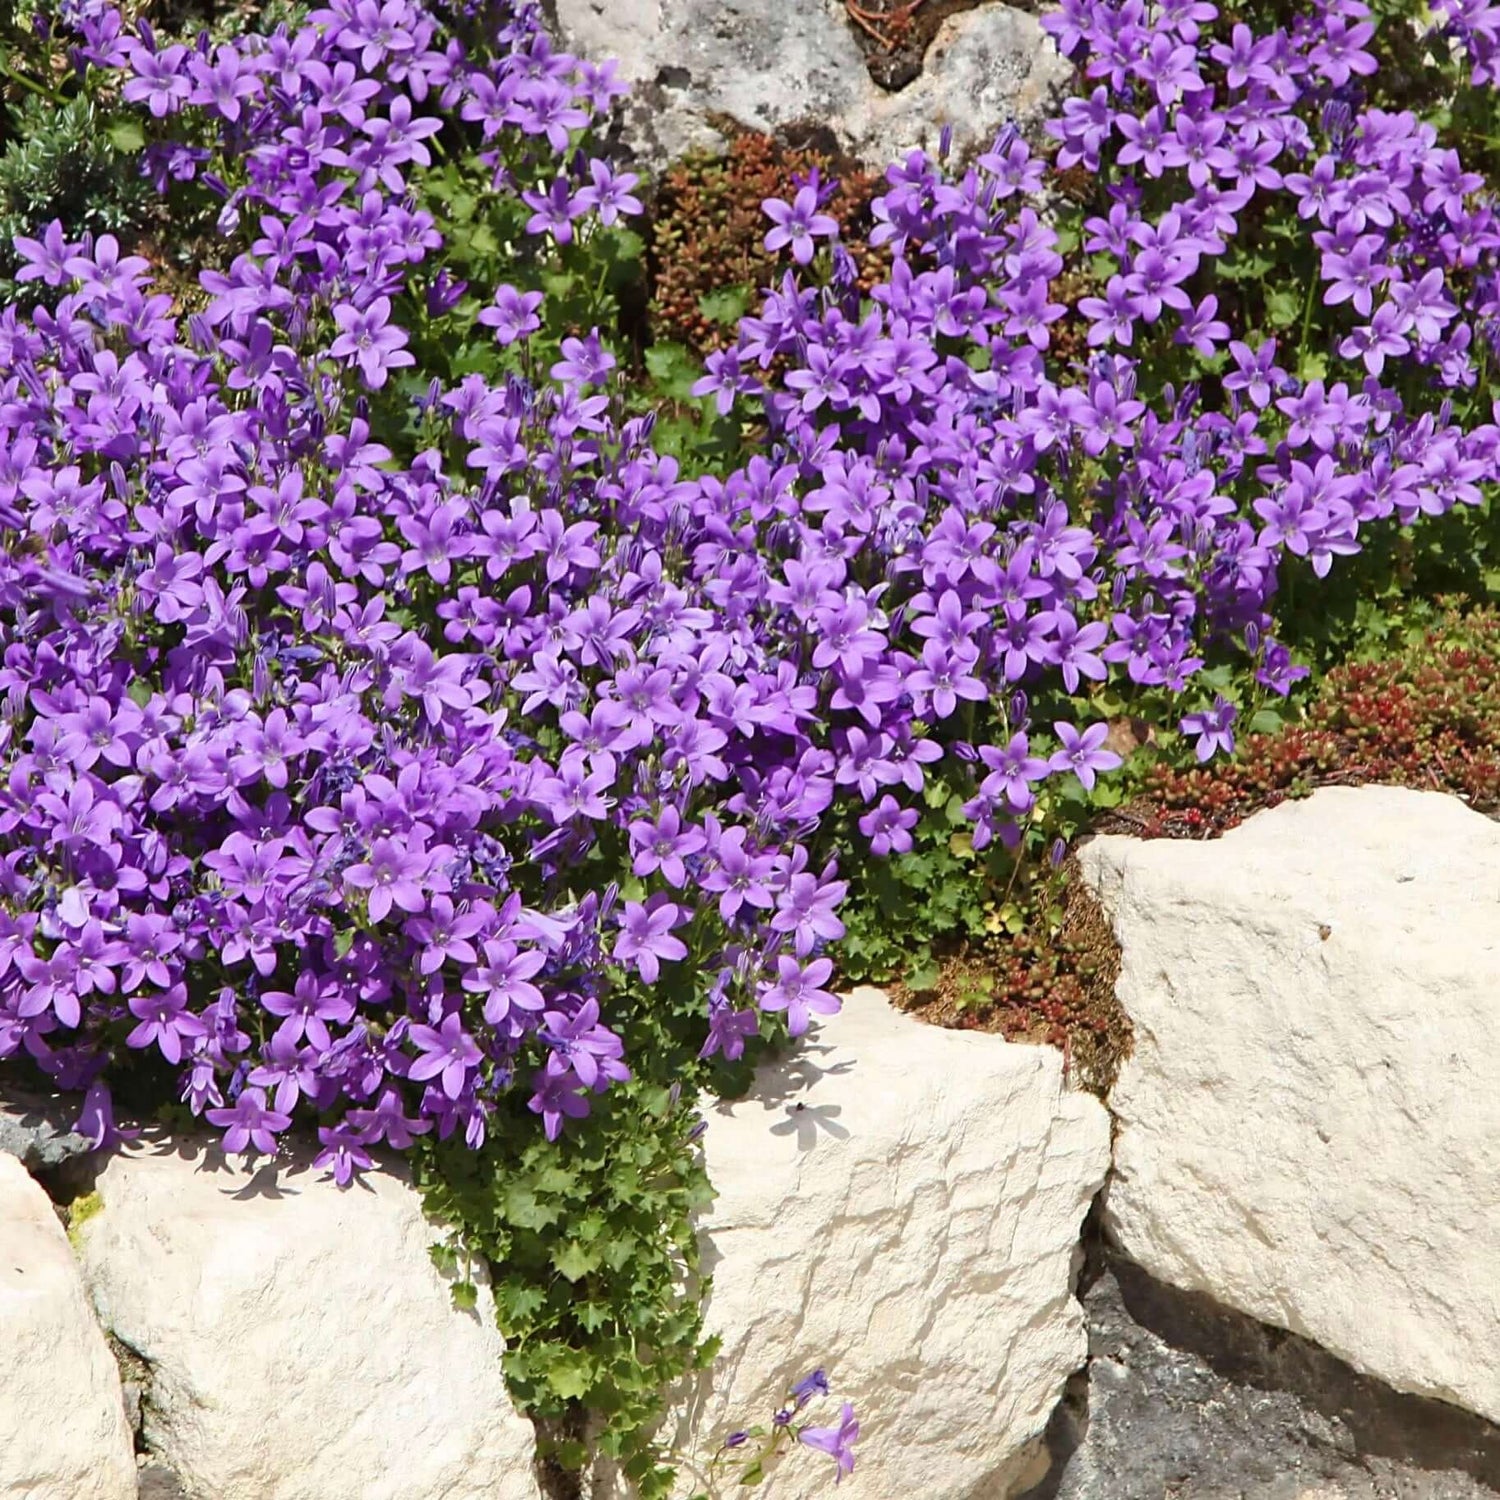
(593, 1316)
(465, 1295)
(1313, 365)
(571, 1377)
(726, 306)
(574, 1260)
(557, 1180)
(126, 135)
(673, 369)
(924, 979)
(521, 1208)
(517, 1302)
(1283, 307)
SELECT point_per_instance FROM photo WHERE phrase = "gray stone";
(38, 1129)
(159, 1483)
(700, 67)
(1184, 1399)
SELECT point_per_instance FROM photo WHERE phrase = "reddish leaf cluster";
(708, 230)
(1427, 717)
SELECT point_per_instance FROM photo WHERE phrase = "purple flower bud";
(444, 294)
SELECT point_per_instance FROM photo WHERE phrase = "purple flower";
(309, 1007)
(797, 223)
(727, 1030)
(609, 192)
(1214, 728)
(837, 1442)
(1083, 754)
(45, 259)
(513, 314)
(367, 338)
(249, 1124)
(646, 936)
(387, 1121)
(665, 845)
(553, 212)
(558, 1097)
(393, 877)
(448, 1053)
(96, 1120)
(580, 1043)
(165, 1020)
(343, 1154)
(799, 992)
(888, 827)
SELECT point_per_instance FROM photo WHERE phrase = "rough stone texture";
(38, 1130)
(157, 1483)
(302, 1344)
(770, 64)
(1306, 1130)
(1182, 1398)
(901, 1206)
(62, 1420)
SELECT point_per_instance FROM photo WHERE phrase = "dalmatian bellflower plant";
(347, 775)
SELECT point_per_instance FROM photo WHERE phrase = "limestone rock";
(984, 68)
(62, 1420)
(1306, 1130)
(769, 64)
(302, 1344)
(899, 1205)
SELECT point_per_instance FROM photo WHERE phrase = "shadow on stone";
(1186, 1400)
(38, 1129)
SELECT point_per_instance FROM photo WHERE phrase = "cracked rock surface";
(63, 1433)
(1307, 1127)
(301, 1343)
(769, 64)
(901, 1206)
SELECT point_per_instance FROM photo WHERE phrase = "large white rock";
(302, 1344)
(63, 1434)
(767, 64)
(900, 1205)
(1309, 1128)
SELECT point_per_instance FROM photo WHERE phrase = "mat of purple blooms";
(325, 774)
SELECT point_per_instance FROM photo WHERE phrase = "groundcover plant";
(395, 740)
